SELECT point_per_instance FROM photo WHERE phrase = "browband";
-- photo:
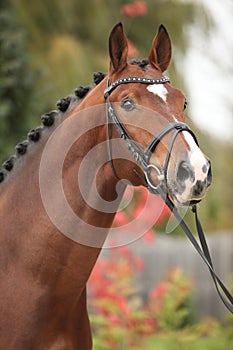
(127, 80)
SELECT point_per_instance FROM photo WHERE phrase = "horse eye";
(185, 104)
(128, 105)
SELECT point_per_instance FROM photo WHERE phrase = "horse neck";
(88, 182)
(38, 238)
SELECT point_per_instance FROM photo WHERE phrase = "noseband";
(142, 155)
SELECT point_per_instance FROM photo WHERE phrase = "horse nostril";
(183, 172)
(209, 175)
(198, 188)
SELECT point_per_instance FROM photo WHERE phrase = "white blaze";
(197, 161)
(159, 90)
(196, 157)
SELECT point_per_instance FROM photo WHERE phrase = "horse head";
(148, 112)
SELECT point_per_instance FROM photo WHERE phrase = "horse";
(60, 191)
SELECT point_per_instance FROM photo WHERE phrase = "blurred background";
(48, 48)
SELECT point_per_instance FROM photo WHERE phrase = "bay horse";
(129, 125)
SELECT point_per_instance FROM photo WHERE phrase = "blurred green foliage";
(171, 301)
(47, 48)
(188, 340)
(16, 82)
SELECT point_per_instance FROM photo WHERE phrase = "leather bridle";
(142, 157)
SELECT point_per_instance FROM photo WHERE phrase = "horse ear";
(160, 53)
(118, 48)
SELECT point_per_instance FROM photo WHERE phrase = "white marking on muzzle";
(159, 90)
(196, 157)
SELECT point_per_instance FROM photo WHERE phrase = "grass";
(184, 341)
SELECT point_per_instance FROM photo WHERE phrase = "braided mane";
(48, 120)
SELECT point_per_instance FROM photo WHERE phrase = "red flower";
(138, 263)
(140, 8)
(120, 219)
(127, 10)
(113, 319)
(137, 8)
(159, 291)
(149, 236)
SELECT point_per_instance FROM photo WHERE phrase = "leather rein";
(142, 157)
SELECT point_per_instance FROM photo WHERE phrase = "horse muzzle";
(191, 182)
